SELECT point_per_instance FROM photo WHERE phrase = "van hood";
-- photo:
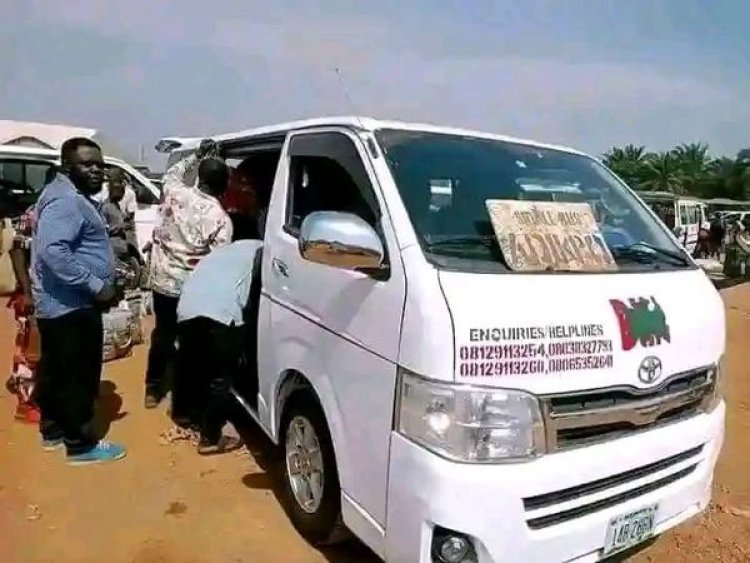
(561, 332)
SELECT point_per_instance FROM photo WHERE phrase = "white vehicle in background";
(685, 215)
(457, 396)
(23, 174)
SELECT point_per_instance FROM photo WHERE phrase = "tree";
(686, 169)
(663, 172)
(729, 178)
(693, 162)
(627, 162)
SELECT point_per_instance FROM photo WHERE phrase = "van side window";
(142, 194)
(684, 215)
(326, 173)
(21, 182)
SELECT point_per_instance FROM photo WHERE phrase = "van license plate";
(627, 530)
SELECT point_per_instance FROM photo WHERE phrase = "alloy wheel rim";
(304, 464)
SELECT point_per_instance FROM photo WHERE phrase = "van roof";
(51, 155)
(168, 144)
(666, 196)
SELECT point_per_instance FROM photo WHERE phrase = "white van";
(685, 215)
(442, 400)
(23, 171)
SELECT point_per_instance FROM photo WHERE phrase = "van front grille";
(580, 419)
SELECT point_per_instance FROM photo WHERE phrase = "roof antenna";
(369, 142)
(345, 89)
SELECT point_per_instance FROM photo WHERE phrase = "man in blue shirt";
(212, 334)
(72, 281)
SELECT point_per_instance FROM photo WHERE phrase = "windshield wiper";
(451, 246)
(464, 240)
(646, 251)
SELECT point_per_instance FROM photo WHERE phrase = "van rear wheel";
(311, 483)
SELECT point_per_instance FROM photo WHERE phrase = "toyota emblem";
(649, 370)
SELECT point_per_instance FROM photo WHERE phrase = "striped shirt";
(71, 255)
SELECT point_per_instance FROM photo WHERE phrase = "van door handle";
(280, 268)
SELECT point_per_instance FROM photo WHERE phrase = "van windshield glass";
(445, 180)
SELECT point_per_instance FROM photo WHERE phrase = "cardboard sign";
(538, 236)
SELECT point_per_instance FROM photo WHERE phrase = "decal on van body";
(642, 321)
(531, 350)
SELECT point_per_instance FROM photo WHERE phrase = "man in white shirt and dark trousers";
(191, 224)
(212, 333)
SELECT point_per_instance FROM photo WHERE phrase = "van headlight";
(717, 388)
(469, 424)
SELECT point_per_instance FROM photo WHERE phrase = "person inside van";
(239, 203)
(249, 194)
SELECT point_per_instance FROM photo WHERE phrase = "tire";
(319, 521)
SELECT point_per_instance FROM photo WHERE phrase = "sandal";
(225, 445)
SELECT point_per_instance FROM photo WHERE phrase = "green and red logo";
(641, 321)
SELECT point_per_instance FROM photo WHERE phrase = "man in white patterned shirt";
(191, 224)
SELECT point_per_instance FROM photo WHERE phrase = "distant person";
(116, 221)
(73, 272)
(191, 224)
(717, 232)
(129, 201)
(212, 336)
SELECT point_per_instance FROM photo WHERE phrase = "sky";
(585, 73)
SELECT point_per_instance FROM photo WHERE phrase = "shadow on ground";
(266, 455)
(725, 283)
(107, 408)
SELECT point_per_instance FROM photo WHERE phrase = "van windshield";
(445, 180)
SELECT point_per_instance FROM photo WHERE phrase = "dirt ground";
(165, 504)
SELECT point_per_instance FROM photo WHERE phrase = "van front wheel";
(312, 490)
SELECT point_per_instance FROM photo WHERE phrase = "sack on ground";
(118, 337)
(136, 306)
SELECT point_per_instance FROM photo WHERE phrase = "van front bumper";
(671, 466)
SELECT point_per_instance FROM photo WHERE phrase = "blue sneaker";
(52, 445)
(102, 452)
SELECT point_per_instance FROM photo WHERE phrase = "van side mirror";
(341, 240)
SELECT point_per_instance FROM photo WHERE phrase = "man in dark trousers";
(717, 232)
(73, 282)
(212, 314)
(191, 224)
